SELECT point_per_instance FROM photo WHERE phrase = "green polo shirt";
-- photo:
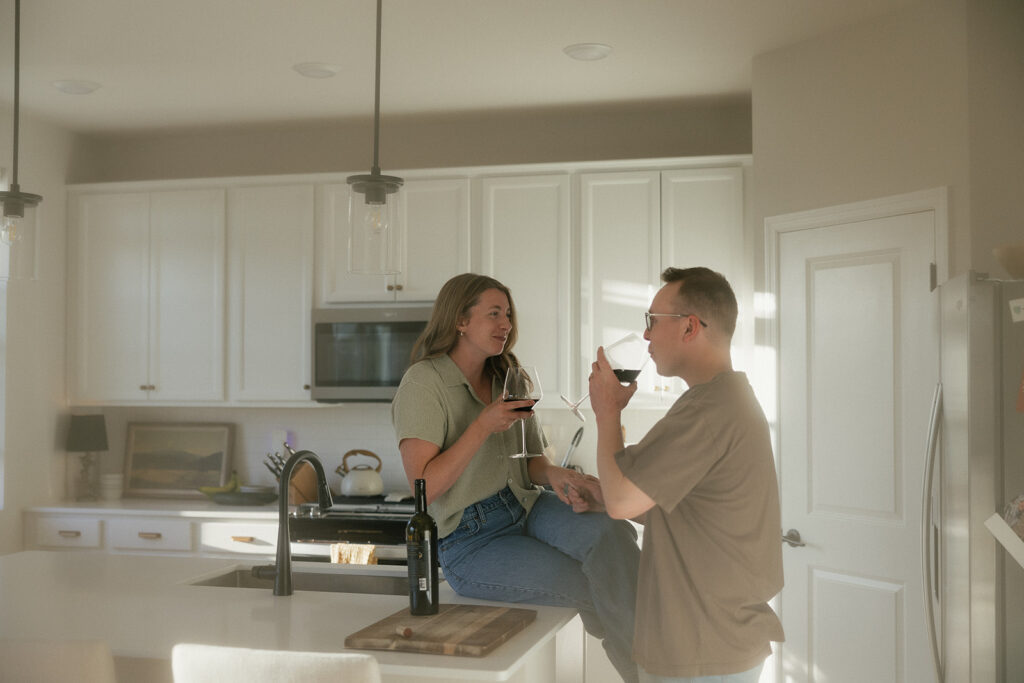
(436, 403)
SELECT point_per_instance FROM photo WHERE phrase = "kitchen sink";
(334, 582)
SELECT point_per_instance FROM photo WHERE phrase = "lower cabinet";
(170, 532)
(231, 538)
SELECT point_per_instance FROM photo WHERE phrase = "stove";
(379, 520)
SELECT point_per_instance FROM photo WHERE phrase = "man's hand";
(586, 496)
(607, 395)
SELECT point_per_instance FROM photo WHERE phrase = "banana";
(232, 485)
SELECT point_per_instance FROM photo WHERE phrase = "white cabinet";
(65, 531)
(620, 238)
(435, 213)
(270, 231)
(149, 534)
(146, 297)
(237, 538)
(177, 529)
(526, 244)
(635, 224)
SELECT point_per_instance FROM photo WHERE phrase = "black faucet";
(283, 570)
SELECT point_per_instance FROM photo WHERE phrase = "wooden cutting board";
(462, 630)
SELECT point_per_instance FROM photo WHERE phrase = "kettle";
(361, 480)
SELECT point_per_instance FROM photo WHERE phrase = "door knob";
(792, 537)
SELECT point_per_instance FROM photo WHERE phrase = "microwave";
(360, 354)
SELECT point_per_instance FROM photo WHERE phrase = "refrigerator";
(976, 467)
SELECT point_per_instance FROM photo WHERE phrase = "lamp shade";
(87, 433)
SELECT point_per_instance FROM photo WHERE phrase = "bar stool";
(195, 663)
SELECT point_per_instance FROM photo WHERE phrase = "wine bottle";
(421, 546)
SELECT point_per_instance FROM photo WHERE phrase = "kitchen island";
(142, 605)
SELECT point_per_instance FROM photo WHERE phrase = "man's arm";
(622, 498)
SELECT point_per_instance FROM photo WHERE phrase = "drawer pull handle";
(67, 533)
(151, 535)
(243, 539)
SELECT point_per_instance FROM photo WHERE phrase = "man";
(702, 481)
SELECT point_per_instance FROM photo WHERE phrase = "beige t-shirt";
(435, 403)
(711, 555)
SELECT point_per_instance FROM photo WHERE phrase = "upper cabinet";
(146, 297)
(189, 296)
(435, 213)
(525, 244)
(271, 292)
(635, 224)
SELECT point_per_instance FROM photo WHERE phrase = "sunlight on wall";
(630, 294)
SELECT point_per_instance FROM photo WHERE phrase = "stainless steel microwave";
(360, 354)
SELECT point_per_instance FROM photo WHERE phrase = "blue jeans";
(751, 676)
(553, 556)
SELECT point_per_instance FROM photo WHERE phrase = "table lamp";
(87, 434)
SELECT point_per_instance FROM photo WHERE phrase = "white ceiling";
(197, 63)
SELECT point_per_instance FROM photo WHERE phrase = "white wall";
(34, 364)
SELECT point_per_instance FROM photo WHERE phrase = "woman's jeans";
(553, 556)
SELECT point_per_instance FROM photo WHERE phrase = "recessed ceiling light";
(75, 87)
(588, 52)
(317, 69)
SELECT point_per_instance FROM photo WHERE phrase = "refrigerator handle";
(926, 526)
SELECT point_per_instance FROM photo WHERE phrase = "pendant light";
(373, 216)
(16, 204)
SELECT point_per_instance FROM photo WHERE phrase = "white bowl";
(1011, 257)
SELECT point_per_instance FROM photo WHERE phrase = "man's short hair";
(706, 294)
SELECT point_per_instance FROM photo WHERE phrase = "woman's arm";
(425, 460)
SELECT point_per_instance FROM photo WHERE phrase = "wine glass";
(627, 356)
(522, 384)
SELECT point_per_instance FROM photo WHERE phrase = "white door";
(858, 362)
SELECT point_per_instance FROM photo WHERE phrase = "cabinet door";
(188, 290)
(436, 219)
(270, 238)
(702, 225)
(108, 344)
(526, 245)
(620, 236)
(336, 284)
(435, 216)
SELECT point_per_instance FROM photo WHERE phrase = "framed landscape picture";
(172, 460)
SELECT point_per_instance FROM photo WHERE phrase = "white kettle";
(361, 480)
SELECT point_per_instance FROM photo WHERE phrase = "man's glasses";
(648, 315)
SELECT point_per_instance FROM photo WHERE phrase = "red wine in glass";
(626, 376)
(524, 409)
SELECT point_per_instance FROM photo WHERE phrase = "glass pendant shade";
(375, 234)
(18, 235)
(374, 220)
(17, 220)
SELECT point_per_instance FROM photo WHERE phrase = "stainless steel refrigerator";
(976, 466)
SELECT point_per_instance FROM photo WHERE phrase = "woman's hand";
(500, 415)
(582, 492)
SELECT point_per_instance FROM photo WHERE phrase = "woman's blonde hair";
(456, 297)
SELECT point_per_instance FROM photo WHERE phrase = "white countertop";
(142, 605)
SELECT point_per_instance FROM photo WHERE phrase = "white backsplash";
(331, 431)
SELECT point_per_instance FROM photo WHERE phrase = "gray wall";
(659, 129)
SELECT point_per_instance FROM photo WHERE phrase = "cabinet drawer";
(249, 538)
(149, 534)
(67, 532)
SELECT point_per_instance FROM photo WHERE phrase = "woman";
(501, 536)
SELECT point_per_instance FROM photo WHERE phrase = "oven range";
(370, 519)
